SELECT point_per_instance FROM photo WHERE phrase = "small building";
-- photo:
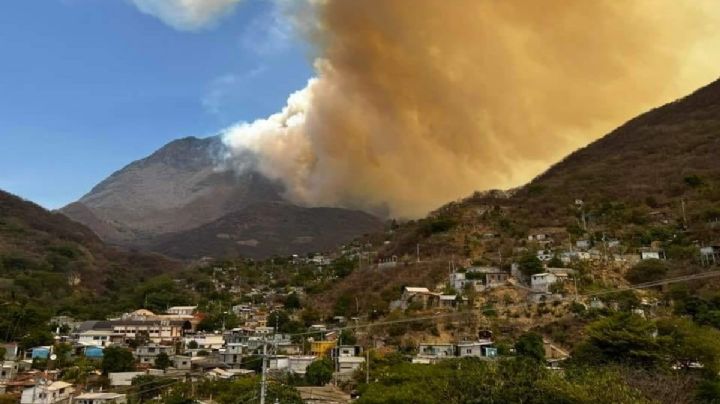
(710, 255)
(100, 398)
(321, 348)
(233, 353)
(299, 364)
(146, 354)
(650, 255)
(583, 244)
(101, 338)
(541, 282)
(123, 378)
(207, 342)
(441, 350)
(181, 362)
(477, 349)
(182, 310)
(45, 392)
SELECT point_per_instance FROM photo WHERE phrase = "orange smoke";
(420, 102)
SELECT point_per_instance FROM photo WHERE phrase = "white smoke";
(281, 140)
(187, 15)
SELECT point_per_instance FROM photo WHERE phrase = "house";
(650, 255)
(12, 351)
(100, 398)
(477, 349)
(157, 330)
(182, 310)
(347, 358)
(146, 354)
(8, 370)
(123, 378)
(181, 362)
(207, 342)
(233, 353)
(299, 364)
(321, 348)
(99, 338)
(583, 244)
(388, 263)
(440, 350)
(488, 276)
(226, 374)
(45, 392)
(448, 301)
(40, 352)
(541, 282)
(710, 255)
(459, 281)
(278, 362)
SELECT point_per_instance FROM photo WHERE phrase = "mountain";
(652, 182)
(53, 253)
(181, 192)
(269, 228)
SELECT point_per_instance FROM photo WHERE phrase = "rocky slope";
(182, 193)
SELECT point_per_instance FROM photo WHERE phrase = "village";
(170, 346)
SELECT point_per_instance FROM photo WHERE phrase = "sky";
(88, 86)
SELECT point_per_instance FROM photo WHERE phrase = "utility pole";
(367, 366)
(263, 382)
(682, 203)
(417, 251)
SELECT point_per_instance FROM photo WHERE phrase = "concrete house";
(541, 282)
(45, 392)
(100, 398)
(147, 354)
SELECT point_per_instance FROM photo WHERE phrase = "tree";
(192, 344)
(647, 271)
(530, 345)
(688, 343)
(3, 352)
(117, 359)
(292, 302)
(530, 265)
(320, 372)
(622, 338)
(34, 338)
(162, 361)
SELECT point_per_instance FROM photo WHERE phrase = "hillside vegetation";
(48, 262)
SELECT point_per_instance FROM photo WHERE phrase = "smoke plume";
(187, 15)
(420, 102)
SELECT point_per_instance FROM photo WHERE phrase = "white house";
(182, 310)
(206, 341)
(100, 338)
(299, 364)
(650, 255)
(100, 398)
(47, 393)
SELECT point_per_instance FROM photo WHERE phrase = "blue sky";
(87, 86)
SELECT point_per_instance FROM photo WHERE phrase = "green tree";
(117, 359)
(647, 271)
(292, 302)
(530, 264)
(162, 361)
(622, 338)
(320, 372)
(192, 344)
(530, 345)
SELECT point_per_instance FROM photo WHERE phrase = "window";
(468, 351)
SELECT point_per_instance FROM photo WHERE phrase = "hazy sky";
(87, 86)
